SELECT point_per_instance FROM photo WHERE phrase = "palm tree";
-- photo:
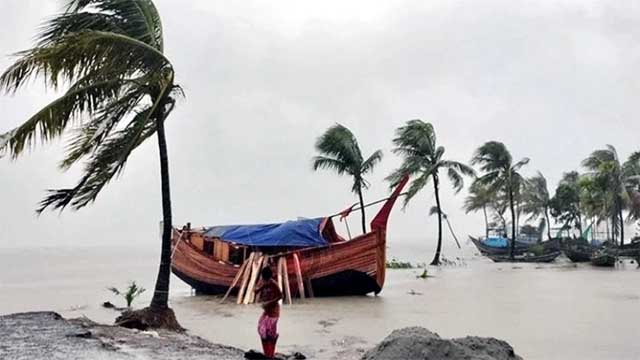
(500, 174)
(566, 206)
(423, 159)
(479, 199)
(536, 200)
(339, 151)
(621, 183)
(121, 89)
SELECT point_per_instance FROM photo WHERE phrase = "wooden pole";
(250, 296)
(296, 263)
(287, 287)
(309, 287)
(235, 280)
(245, 278)
(280, 277)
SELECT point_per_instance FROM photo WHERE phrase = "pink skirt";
(268, 327)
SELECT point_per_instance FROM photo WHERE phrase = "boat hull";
(545, 258)
(578, 255)
(354, 267)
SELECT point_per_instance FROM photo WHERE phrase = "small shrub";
(395, 264)
(130, 294)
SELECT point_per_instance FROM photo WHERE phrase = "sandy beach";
(554, 311)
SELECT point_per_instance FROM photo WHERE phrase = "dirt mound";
(420, 343)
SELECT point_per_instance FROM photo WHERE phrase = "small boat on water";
(579, 254)
(498, 246)
(313, 255)
(527, 257)
(604, 258)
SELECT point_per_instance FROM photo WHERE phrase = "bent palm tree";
(479, 198)
(423, 159)
(121, 90)
(536, 200)
(340, 152)
(621, 183)
(500, 174)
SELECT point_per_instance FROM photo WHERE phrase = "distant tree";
(339, 151)
(565, 204)
(423, 160)
(479, 198)
(110, 54)
(536, 200)
(500, 173)
(620, 183)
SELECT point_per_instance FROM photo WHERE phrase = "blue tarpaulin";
(496, 241)
(298, 233)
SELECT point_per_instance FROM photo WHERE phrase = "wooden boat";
(520, 248)
(604, 258)
(485, 249)
(209, 259)
(579, 254)
(527, 258)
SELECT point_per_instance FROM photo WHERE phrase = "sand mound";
(420, 343)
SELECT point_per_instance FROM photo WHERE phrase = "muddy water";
(556, 311)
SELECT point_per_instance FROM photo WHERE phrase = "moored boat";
(579, 254)
(526, 257)
(315, 256)
(604, 258)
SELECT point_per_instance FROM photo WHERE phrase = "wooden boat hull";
(578, 254)
(484, 249)
(603, 260)
(354, 267)
(545, 258)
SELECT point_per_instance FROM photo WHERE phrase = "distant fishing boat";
(527, 257)
(307, 253)
(579, 254)
(604, 258)
(497, 245)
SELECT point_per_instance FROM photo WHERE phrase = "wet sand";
(555, 311)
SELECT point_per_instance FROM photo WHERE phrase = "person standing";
(269, 294)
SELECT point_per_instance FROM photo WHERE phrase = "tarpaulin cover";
(298, 233)
(496, 241)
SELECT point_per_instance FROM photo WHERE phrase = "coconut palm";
(500, 173)
(339, 151)
(423, 160)
(479, 198)
(108, 58)
(621, 181)
(536, 200)
(565, 203)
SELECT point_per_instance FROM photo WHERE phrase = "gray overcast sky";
(551, 79)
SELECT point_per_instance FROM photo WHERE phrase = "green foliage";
(341, 153)
(565, 206)
(396, 264)
(537, 249)
(130, 294)
(109, 54)
(423, 159)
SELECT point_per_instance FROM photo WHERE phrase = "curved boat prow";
(380, 221)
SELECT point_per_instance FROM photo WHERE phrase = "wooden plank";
(280, 277)
(250, 295)
(235, 281)
(296, 263)
(307, 283)
(245, 278)
(287, 287)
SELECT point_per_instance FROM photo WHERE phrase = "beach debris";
(108, 305)
(420, 343)
(413, 292)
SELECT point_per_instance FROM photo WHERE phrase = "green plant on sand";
(130, 294)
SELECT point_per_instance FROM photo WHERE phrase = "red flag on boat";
(344, 213)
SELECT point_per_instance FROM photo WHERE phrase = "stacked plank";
(248, 277)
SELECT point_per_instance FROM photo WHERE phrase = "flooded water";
(554, 311)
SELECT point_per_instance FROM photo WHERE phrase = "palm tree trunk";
(546, 214)
(364, 220)
(513, 223)
(160, 298)
(621, 225)
(436, 258)
(486, 221)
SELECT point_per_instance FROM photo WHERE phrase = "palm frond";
(371, 162)
(108, 161)
(416, 185)
(323, 162)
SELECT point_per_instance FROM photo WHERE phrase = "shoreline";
(47, 335)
